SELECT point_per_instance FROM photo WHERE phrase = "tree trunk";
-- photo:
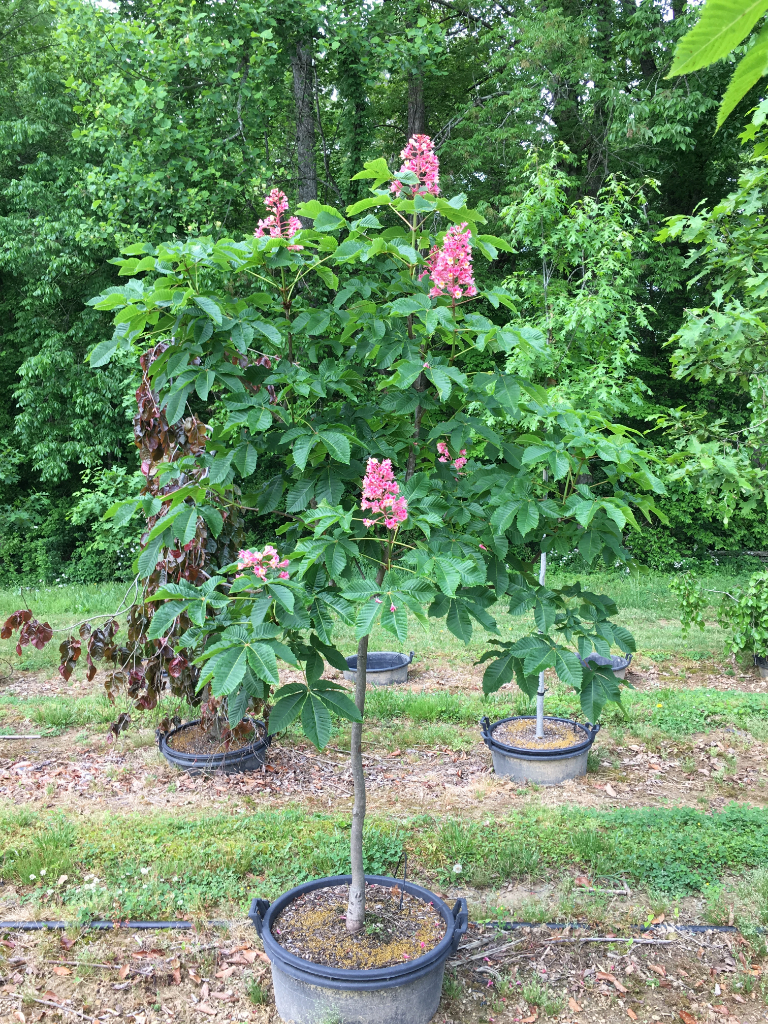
(417, 115)
(541, 690)
(356, 906)
(410, 469)
(303, 96)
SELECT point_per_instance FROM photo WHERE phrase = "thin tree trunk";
(304, 101)
(356, 906)
(541, 690)
(417, 114)
(410, 468)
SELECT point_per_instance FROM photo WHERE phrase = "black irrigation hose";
(509, 926)
(104, 926)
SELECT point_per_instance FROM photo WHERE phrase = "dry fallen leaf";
(204, 991)
(737, 997)
(687, 1018)
(176, 976)
(529, 1020)
(658, 920)
(226, 973)
(61, 971)
(249, 955)
(583, 881)
(396, 753)
(194, 976)
(573, 1005)
(123, 972)
(613, 980)
(66, 942)
(147, 953)
(631, 1013)
(51, 997)
(19, 1016)
(263, 956)
(204, 1008)
(609, 789)
(658, 970)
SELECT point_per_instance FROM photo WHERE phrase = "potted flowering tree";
(341, 350)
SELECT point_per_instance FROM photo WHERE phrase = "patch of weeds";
(452, 987)
(537, 994)
(593, 761)
(49, 853)
(256, 992)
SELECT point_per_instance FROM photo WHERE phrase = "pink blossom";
(275, 223)
(393, 607)
(450, 267)
(381, 494)
(445, 453)
(262, 561)
(484, 548)
(419, 156)
(377, 600)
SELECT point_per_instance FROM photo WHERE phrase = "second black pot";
(245, 759)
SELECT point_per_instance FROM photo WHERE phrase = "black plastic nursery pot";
(617, 662)
(407, 993)
(545, 767)
(761, 664)
(245, 759)
(383, 668)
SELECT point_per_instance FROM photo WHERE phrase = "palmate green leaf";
(528, 517)
(226, 671)
(300, 495)
(544, 614)
(261, 659)
(102, 353)
(237, 704)
(163, 617)
(395, 622)
(336, 444)
(283, 595)
(339, 703)
(245, 459)
(750, 69)
(287, 709)
(149, 557)
(569, 668)
(331, 655)
(316, 720)
(447, 574)
(503, 516)
(211, 308)
(597, 689)
(441, 380)
(302, 446)
(499, 673)
(366, 616)
(722, 26)
(185, 524)
(459, 622)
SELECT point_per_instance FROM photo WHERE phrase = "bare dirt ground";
(496, 977)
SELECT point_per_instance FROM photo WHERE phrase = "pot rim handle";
(593, 729)
(257, 912)
(461, 921)
(411, 657)
(485, 727)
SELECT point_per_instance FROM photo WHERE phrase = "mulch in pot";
(196, 740)
(314, 928)
(522, 733)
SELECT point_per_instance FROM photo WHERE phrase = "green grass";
(161, 865)
(643, 600)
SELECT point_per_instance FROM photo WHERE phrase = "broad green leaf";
(185, 524)
(211, 308)
(102, 353)
(261, 659)
(544, 613)
(286, 710)
(237, 703)
(213, 519)
(164, 615)
(149, 557)
(245, 459)
(502, 518)
(227, 670)
(499, 673)
(459, 622)
(528, 517)
(338, 703)
(300, 495)
(302, 446)
(750, 69)
(316, 720)
(720, 28)
(366, 616)
(568, 667)
(336, 444)
(331, 655)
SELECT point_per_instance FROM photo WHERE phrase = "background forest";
(158, 119)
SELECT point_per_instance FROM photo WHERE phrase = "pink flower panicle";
(275, 223)
(445, 455)
(263, 562)
(419, 156)
(450, 267)
(380, 495)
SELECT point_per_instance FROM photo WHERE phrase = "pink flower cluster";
(275, 223)
(419, 156)
(445, 455)
(262, 561)
(450, 267)
(380, 494)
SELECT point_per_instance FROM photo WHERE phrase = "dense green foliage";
(160, 121)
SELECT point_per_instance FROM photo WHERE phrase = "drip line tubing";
(103, 926)
(509, 926)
